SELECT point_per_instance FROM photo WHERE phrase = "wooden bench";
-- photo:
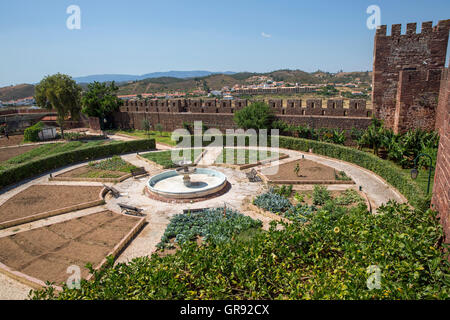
(253, 176)
(130, 209)
(114, 191)
(138, 172)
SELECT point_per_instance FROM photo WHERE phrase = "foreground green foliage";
(327, 258)
(213, 225)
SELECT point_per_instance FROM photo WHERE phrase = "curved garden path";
(158, 213)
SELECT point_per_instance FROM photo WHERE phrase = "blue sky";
(142, 36)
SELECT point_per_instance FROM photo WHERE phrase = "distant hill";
(218, 81)
(128, 77)
(192, 80)
(211, 82)
(16, 92)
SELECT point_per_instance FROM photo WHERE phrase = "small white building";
(47, 133)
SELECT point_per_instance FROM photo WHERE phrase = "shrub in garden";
(214, 225)
(31, 134)
(320, 195)
(284, 190)
(341, 175)
(349, 196)
(300, 213)
(272, 202)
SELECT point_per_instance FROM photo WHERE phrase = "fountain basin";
(203, 182)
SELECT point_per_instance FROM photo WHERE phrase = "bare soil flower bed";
(46, 253)
(43, 198)
(309, 172)
(12, 141)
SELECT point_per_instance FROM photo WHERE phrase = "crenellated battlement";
(411, 29)
(316, 107)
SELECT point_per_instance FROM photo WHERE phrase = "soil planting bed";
(40, 199)
(46, 253)
(12, 141)
(310, 173)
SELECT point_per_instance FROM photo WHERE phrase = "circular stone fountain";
(186, 183)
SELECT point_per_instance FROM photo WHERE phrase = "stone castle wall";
(219, 114)
(406, 71)
(441, 189)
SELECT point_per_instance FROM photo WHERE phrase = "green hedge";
(36, 167)
(31, 134)
(388, 171)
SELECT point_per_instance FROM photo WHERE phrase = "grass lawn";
(244, 157)
(164, 158)
(50, 149)
(163, 137)
(114, 167)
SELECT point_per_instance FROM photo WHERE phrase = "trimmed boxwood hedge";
(385, 169)
(36, 167)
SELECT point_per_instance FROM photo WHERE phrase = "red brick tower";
(406, 74)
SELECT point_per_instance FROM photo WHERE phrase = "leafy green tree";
(146, 126)
(159, 128)
(373, 136)
(100, 100)
(61, 93)
(256, 116)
